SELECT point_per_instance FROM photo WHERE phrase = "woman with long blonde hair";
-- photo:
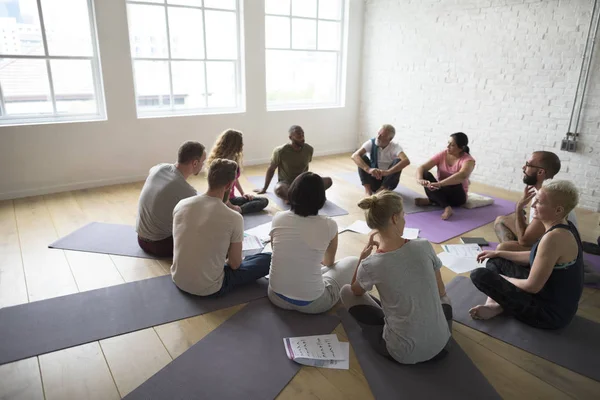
(230, 145)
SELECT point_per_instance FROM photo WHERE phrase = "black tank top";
(563, 289)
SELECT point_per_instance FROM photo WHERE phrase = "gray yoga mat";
(330, 208)
(576, 347)
(121, 240)
(244, 358)
(41, 327)
(408, 195)
(452, 377)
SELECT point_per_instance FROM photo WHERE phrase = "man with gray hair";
(380, 161)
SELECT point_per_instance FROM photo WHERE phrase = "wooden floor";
(111, 368)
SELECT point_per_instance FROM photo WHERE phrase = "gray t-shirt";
(415, 327)
(164, 188)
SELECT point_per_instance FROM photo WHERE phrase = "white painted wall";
(502, 71)
(39, 159)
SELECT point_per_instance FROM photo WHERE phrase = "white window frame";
(55, 117)
(239, 65)
(340, 59)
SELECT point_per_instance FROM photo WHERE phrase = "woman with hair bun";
(411, 324)
(454, 166)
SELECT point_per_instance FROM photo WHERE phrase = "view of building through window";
(303, 40)
(48, 68)
(186, 55)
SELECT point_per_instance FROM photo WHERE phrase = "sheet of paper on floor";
(261, 231)
(318, 351)
(410, 233)
(251, 243)
(462, 250)
(459, 265)
(358, 227)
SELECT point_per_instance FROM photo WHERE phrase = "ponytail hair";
(461, 141)
(380, 207)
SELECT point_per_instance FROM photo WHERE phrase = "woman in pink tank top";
(454, 166)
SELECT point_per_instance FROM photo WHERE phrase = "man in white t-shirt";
(208, 237)
(516, 232)
(380, 161)
(165, 186)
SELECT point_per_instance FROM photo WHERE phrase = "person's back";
(203, 228)
(416, 328)
(299, 244)
(163, 189)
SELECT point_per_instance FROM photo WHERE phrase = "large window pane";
(221, 84)
(20, 29)
(304, 34)
(188, 84)
(329, 35)
(147, 31)
(223, 4)
(186, 33)
(73, 86)
(277, 32)
(221, 35)
(280, 7)
(25, 86)
(296, 77)
(152, 84)
(67, 26)
(330, 9)
(304, 8)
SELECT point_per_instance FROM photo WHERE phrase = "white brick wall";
(504, 72)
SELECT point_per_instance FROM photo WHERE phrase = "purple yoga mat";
(433, 228)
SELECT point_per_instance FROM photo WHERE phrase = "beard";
(529, 179)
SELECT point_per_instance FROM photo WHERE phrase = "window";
(186, 56)
(303, 40)
(49, 69)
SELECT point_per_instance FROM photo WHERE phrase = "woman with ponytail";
(454, 166)
(411, 324)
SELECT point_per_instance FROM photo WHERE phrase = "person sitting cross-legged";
(540, 287)
(380, 161)
(208, 237)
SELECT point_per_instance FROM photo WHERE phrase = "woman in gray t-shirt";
(410, 324)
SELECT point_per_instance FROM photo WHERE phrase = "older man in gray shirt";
(165, 186)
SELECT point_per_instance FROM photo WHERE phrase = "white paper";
(251, 243)
(318, 351)
(358, 227)
(340, 364)
(459, 264)
(410, 233)
(470, 250)
(261, 231)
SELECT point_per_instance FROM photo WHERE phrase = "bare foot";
(485, 311)
(422, 202)
(447, 213)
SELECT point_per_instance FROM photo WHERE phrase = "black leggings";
(371, 320)
(453, 196)
(389, 182)
(250, 206)
(526, 307)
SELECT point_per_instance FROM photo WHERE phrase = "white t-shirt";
(415, 326)
(299, 244)
(163, 189)
(203, 229)
(384, 156)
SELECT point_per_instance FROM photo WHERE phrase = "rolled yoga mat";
(121, 240)
(244, 358)
(575, 347)
(452, 377)
(330, 208)
(41, 327)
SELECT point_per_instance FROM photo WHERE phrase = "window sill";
(51, 120)
(187, 113)
(302, 107)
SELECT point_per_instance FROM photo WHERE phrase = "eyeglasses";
(532, 166)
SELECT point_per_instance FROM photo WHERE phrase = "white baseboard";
(123, 179)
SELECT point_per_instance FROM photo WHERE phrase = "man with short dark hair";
(290, 160)
(208, 237)
(165, 186)
(380, 161)
(514, 232)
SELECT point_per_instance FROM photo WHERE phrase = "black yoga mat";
(244, 358)
(452, 377)
(575, 347)
(44, 326)
(121, 240)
